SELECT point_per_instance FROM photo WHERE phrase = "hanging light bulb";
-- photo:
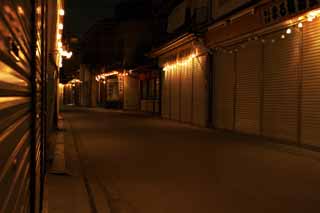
(310, 18)
(288, 31)
(283, 36)
(300, 25)
(61, 12)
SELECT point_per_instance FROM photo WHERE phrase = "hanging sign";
(281, 9)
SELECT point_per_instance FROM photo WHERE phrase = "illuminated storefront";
(184, 86)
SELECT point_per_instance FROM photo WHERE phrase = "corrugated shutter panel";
(39, 108)
(280, 79)
(131, 96)
(224, 77)
(310, 121)
(15, 107)
(249, 65)
(165, 101)
(199, 91)
(186, 93)
(175, 99)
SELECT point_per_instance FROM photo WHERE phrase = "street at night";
(144, 164)
(160, 106)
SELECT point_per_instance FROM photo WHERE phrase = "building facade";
(265, 69)
(29, 59)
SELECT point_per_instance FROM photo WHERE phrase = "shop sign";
(284, 8)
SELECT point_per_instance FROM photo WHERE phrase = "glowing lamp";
(288, 31)
(61, 12)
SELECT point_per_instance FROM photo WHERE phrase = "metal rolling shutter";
(131, 96)
(224, 78)
(199, 91)
(186, 93)
(20, 144)
(175, 99)
(280, 80)
(310, 107)
(39, 106)
(249, 65)
(165, 100)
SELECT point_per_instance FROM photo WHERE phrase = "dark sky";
(81, 14)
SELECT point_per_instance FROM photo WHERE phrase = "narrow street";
(147, 165)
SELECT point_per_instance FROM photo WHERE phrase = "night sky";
(81, 14)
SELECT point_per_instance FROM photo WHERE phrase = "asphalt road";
(148, 165)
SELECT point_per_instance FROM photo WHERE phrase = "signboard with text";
(281, 9)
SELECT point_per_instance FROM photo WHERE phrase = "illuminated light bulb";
(104, 82)
(59, 36)
(38, 10)
(20, 10)
(69, 55)
(288, 31)
(59, 44)
(61, 12)
(283, 36)
(60, 26)
(300, 25)
(310, 18)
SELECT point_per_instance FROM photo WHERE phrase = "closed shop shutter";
(175, 98)
(199, 91)
(280, 80)
(310, 108)
(131, 96)
(224, 78)
(165, 100)
(249, 65)
(21, 121)
(186, 93)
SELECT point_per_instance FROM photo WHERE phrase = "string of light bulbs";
(297, 25)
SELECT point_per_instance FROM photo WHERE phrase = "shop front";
(184, 80)
(266, 72)
(110, 89)
(150, 91)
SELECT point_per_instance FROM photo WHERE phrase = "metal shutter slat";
(248, 88)
(310, 106)
(224, 90)
(280, 79)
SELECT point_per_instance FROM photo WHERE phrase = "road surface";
(148, 165)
